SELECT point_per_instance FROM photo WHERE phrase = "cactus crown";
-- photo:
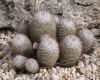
(43, 16)
(49, 43)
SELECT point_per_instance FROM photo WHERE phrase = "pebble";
(18, 78)
(61, 71)
(54, 70)
(80, 64)
(12, 73)
(25, 77)
(82, 70)
(81, 78)
(5, 77)
(73, 70)
(77, 74)
(54, 77)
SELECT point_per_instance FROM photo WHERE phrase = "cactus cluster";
(19, 61)
(58, 43)
(30, 64)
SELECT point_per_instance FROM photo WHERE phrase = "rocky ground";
(85, 13)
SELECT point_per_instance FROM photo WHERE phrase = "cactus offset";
(31, 65)
(48, 51)
(70, 50)
(87, 38)
(43, 23)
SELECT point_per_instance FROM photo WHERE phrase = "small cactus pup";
(48, 51)
(43, 23)
(65, 27)
(19, 61)
(70, 51)
(32, 65)
(87, 39)
(21, 45)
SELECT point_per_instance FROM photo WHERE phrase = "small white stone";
(61, 71)
(54, 77)
(65, 70)
(5, 77)
(41, 70)
(47, 76)
(12, 73)
(54, 70)
(77, 74)
(81, 78)
(69, 72)
(73, 70)
(45, 70)
(25, 77)
(57, 67)
(80, 64)
(18, 78)
(82, 70)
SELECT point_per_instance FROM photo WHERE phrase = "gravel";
(86, 69)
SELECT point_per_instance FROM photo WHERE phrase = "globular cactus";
(22, 45)
(87, 39)
(48, 51)
(70, 50)
(31, 65)
(43, 23)
(65, 27)
(19, 61)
